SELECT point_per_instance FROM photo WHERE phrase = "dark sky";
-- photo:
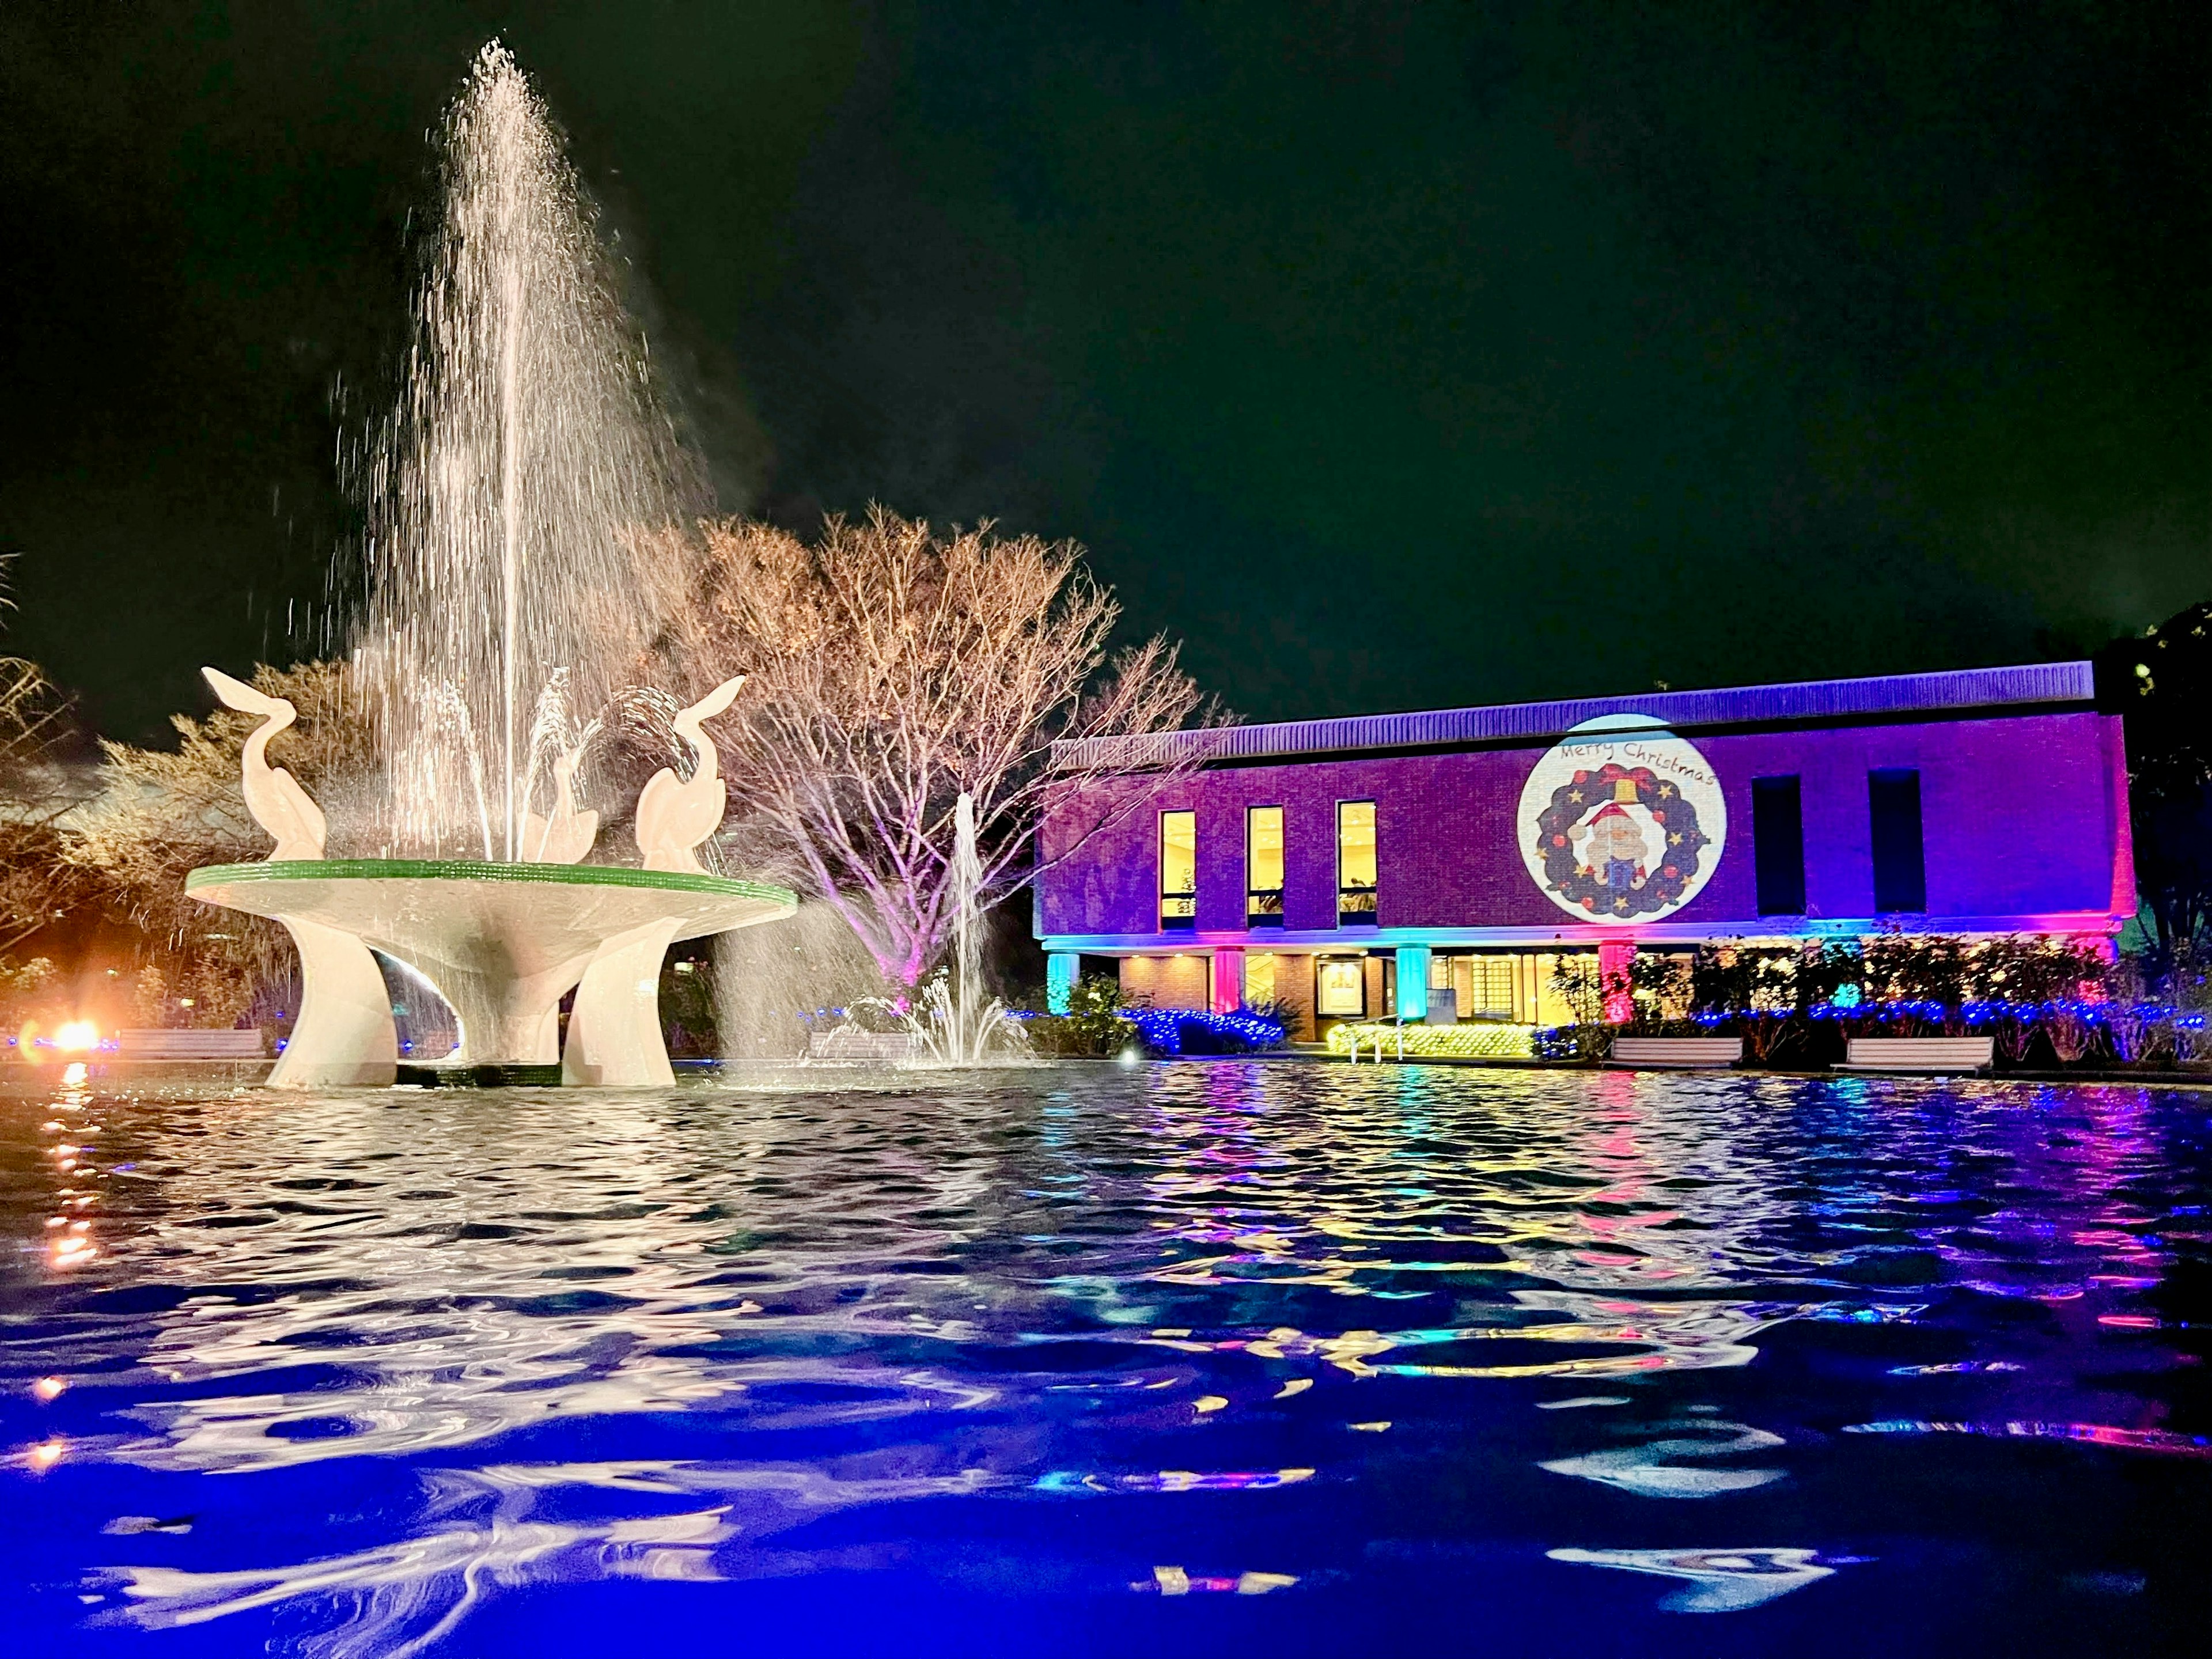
(1393, 356)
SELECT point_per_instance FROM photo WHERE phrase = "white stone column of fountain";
(614, 1028)
(343, 1036)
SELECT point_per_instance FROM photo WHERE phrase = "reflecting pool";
(1200, 1358)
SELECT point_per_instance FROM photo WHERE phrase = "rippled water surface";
(1203, 1358)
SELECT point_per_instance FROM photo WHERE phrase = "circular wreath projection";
(1620, 842)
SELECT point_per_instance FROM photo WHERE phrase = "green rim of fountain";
(572, 875)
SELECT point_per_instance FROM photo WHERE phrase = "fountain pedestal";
(503, 943)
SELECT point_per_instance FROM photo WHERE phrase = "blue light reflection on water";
(1082, 1359)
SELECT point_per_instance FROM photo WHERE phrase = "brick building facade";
(1325, 864)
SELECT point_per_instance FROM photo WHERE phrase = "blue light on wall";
(1061, 971)
(1414, 981)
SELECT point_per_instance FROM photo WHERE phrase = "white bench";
(1919, 1053)
(849, 1042)
(161, 1042)
(1684, 1052)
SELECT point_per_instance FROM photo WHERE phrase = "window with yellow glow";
(1355, 862)
(1263, 866)
(1259, 978)
(1178, 870)
(1493, 981)
(1341, 989)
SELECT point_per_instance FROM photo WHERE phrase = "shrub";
(1586, 1041)
(1196, 1032)
(1095, 1022)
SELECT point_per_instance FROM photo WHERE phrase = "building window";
(1263, 866)
(1340, 987)
(1778, 839)
(1900, 870)
(1355, 863)
(1492, 983)
(1178, 872)
(1259, 989)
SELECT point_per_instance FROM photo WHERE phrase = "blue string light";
(1164, 1028)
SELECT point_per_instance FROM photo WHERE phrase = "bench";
(850, 1043)
(1919, 1053)
(1675, 1052)
(160, 1042)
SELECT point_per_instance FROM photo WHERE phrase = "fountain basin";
(502, 942)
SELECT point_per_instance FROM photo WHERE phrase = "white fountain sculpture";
(566, 836)
(673, 817)
(343, 1033)
(615, 1029)
(503, 943)
(524, 506)
(272, 794)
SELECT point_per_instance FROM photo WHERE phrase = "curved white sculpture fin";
(344, 1037)
(566, 836)
(614, 1029)
(272, 794)
(675, 814)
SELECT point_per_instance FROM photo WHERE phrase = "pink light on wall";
(1228, 981)
(1613, 958)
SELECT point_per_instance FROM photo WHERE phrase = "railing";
(162, 1043)
(1263, 908)
(851, 1045)
(1382, 1035)
(1355, 907)
(1412, 1040)
(1178, 913)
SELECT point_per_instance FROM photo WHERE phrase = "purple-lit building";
(1348, 867)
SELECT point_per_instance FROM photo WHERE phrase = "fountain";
(516, 580)
(952, 1024)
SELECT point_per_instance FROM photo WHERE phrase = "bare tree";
(891, 669)
(163, 814)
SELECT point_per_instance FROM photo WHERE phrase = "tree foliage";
(38, 882)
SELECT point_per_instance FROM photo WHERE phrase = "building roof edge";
(1885, 694)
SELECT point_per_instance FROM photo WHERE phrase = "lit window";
(1355, 862)
(1259, 978)
(1490, 985)
(1263, 866)
(1178, 872)
(1339, 988)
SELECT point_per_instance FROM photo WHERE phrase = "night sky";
(1393, 356)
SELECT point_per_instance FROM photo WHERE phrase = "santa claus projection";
(1620, 827)
(1610, 844)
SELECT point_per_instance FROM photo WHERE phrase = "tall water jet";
(515, 495)
(967, 919)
